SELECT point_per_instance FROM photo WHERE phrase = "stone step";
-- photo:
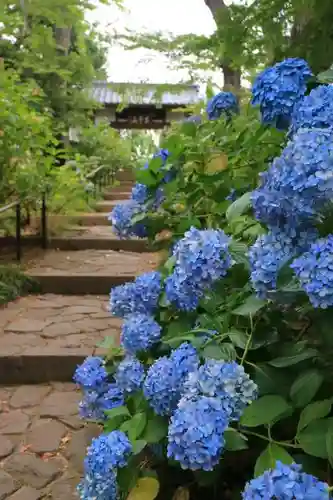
(88, 271)
(117, 195)
(82, 238)
(125, 176)
(43, 338)
(85, 219)
(43, 442)
(107, 206)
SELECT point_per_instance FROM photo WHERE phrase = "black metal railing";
(17, 205)
(101, 177)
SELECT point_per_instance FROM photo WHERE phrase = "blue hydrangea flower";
(98, 486)
(195, 436)
(165, 379)
(202, 257)
(222, 103)
(139, 333)
(185, 359)
(130, 375)
(121, 220)
(91, 374)
(181, 291)
(315, 110)
(96, 402)
(139, 193)
(227, 382)
(140, 296)
(314, 269)
(267, 256)
(299, 183)
(286, 482)
(105, 454)
(278, 89)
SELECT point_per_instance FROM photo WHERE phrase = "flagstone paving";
(42, 339)
(42, 442)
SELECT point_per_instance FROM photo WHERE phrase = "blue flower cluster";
(98, 393)
(314, 270)
(286, 482)
(139, 333)
(300, 182)
(213, 395)
(315, 110)
(195, 436)
(201, 258)
(139, 193)
(226, 381)
(165, 378)
(222, 103)
(278, 89)
(96, 402)
(105, 455)
(130, 375)
(140, 296)
(121, 219)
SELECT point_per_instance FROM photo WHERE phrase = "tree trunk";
(232, 77)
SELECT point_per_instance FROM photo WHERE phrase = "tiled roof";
(141, 93)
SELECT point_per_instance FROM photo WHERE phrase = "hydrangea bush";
(221, 384)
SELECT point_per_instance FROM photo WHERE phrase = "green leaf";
(314, 411)
(136, 425)
(265, 410)
(268, 458)
(118, 411)
(146, 488)
(250, 307)
(127, 477)
(305, 387)
(156, 429)
(234, 440)
(329, 442)
(312, 439)
(294, 359)
(138, 446)
(239, 206)
(224, 351)
(107, 343)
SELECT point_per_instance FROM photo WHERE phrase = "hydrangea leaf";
(329, 441)
(156, 429)
(312, 439)
(135, 426)
(250, 307)
(284, 361)
(138, 446)
(268, 458)
(305, 387)
(146, 488)
(217, 163)
(266, 410)
(239, 207)
(234, 440)
(314, 411)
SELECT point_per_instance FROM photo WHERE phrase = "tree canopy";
(249, 35)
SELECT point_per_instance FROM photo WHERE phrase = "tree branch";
(215, 6)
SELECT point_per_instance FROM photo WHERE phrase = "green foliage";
(282, 344)
(13, 284)
(249, 35)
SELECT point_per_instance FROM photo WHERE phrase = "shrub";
(238, 375)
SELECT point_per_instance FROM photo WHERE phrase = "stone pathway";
(42, 339)
(42, 442)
